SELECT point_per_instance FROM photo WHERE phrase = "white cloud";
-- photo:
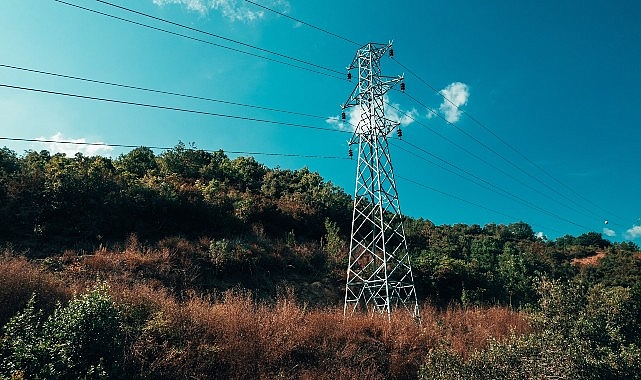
(393, 111)
(541, 235)
(234, 10)
(335, 121)
(609, 232)
(73, 146)
(352, 116)
(633, 233)
(455, 96)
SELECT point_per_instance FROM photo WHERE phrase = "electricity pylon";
(379, 273)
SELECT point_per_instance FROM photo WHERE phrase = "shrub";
(582, 334)
(80, 340)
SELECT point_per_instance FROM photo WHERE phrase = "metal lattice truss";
(379, 273)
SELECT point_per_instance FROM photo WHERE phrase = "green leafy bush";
(582, 333)
(80, 340)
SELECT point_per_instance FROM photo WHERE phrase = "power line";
(218, 36)
(464, 112)
(507, 144)
(245, 118)
(453, 196)
(495, 188)
(506, 160)
(203, 41)
(68, 142)
(299, 67)
(304, 23)
(160, 91)
(472, 154)
(465, 200)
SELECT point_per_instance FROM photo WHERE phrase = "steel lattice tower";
(379, 273)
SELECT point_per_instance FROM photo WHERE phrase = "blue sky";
(557, 82)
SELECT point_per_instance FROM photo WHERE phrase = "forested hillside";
(183, 248)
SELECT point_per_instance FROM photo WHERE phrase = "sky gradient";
(541, 122)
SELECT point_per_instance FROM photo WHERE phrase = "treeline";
(189, 264)
(262, 220)
(502, 263)
(49, 200)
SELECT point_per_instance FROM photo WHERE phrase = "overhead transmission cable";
(304, 23)
(502, 157)
(218, 36)
(505, 173)
(69, 142)
(161, 91)
(507, 144)
(466, 201)
(167, 92)
(487, 185)
(186, 110)
(211, 43)
(461, 110)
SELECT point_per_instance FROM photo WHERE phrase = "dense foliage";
(251, 214)
(85, 201)
(581, 332)
(83, 339)
(187, 223)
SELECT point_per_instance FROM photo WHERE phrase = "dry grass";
(237, 338)
(20, 279)
(593, 260)
(184, 334)
(170, 263)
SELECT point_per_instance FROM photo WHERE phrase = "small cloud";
(234, 10)
(354, 116)
(633, 233)
(335, 121)
(455, 96)
(540, 235)
(58, 144)
(609, 232)
(394, 112)
(297, 24)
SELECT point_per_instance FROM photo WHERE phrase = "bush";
(583, 333)
(80, 340)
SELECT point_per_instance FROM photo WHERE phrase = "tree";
(244, 173)
(592, 239)
(137, 162)
(521, 231)
(183, 161)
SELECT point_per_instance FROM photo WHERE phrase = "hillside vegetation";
(189, 264)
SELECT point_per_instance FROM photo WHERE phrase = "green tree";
(521, 231)
(186, 162)
(244, 173)
(592, 239)
(580, 333)
(137, 162)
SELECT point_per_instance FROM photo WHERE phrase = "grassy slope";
(177, 331)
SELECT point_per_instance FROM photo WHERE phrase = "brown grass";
(173, 335)
(20, 279)
(237, 338)
(170, 263)
(593, 260)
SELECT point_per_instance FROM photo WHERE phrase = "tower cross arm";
(383, 86)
